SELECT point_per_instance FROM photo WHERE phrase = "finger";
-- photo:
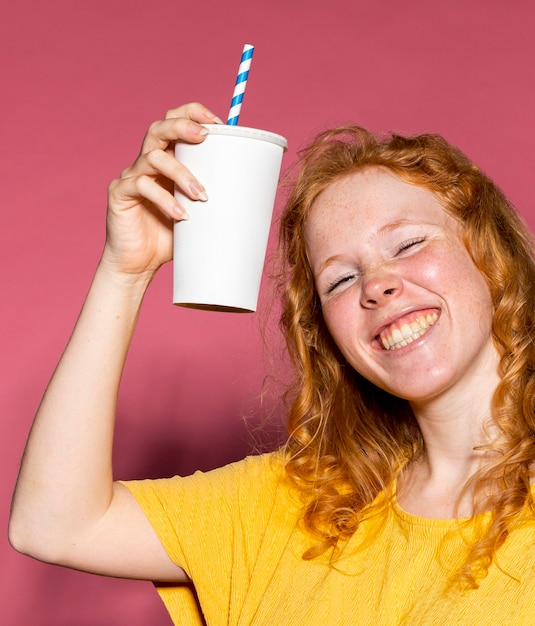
(161, 163)
(125, 191)
(196, 112)
(181, 124)
(165, 132)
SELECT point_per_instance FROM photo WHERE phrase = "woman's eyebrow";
(329, 261)
(391, 226)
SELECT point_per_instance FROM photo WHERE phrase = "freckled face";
(400, 295)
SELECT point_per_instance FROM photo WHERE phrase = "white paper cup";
(219, 252)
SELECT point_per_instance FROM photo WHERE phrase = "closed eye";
(409, 244)
(339, 281)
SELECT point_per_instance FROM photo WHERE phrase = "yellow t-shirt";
(236, 533)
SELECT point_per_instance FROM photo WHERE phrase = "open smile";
(407, 328)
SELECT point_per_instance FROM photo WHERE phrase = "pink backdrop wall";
(81, 81)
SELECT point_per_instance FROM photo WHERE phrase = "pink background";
(81, 81)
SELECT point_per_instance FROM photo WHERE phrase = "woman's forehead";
(374, 196)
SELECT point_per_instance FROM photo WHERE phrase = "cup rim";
(245, 131)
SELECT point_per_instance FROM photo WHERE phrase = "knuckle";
(153, 157)
(153, 128)
(112, 187)
(116, 189)
(126, 172)
(182, 111)
(170, 114)
(140, 183)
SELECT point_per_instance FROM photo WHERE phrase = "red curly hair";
(347, 438)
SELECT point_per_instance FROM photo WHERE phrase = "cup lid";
(244, 131)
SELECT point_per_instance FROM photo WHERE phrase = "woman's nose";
(378, 290)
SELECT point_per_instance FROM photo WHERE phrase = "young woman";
(403, 495)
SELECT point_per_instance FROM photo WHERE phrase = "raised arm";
(66, 508)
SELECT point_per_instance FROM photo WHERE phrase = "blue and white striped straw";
(241, 83)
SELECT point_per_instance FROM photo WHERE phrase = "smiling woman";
(407, 256)
(404, 492)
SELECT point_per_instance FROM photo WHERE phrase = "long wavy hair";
(349, 440)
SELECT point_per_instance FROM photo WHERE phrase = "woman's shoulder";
(255, 474)
(269, 465)
(252, 474)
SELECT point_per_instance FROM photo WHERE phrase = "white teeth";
(415, 327)
(396, 336)
(408, 332)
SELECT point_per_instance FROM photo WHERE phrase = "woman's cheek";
(433, 269)
(341, 313)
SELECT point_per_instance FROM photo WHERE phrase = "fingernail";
(180, 213)
(200, 130)
(218, 120)
(198, 192)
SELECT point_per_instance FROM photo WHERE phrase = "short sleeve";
(212, 524)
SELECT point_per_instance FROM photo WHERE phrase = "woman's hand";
(141, 205)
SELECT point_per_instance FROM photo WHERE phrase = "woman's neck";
(456, 429)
